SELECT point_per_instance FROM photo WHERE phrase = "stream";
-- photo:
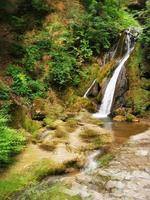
(122, 131)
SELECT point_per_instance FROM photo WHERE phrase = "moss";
(136, 97)
(105, 159)
(106, 70)
(52, 124)
(71, 124)
(88, 75)
(31, 125)
(88, 134)
(80, 103)
(49, 145)
(61, 132)
(129, 117)
(54, 112)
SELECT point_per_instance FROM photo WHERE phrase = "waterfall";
(85, 95)
(91, 162)
(107, 101)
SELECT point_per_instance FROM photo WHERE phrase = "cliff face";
(138, 94)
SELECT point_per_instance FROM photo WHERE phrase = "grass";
(56, 191)
(105, 159)
(16, 182)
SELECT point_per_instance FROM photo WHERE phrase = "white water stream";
(107, 101)
(92, 162)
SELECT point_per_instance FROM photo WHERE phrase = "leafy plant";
(4, 91)
(63, 69)
(11, 142)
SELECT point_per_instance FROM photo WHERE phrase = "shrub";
(40, 5)
(63, 69)
(4, 91)
(145, 39)
(11, 142)
(23, 85)
(32, 55)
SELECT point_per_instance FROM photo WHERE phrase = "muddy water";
(123, 130)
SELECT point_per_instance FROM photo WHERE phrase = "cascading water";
(107, 101)
(85, 95)
(91, 162)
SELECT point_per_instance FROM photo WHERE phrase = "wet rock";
(121, 88)
(94, 90)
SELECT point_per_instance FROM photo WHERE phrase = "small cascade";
(91, 162)
(107, 101)
(88, 90)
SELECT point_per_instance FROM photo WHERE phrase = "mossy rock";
(88, 134)
(49, 145)
(31, 126)
(74, 164)
(83, 103)
(92, 133)
(130, 118)
(119, 118)
(50, 123)
(61, 132)
(71, 124)
(137, 97)
(120, 111)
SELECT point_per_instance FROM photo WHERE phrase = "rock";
(136, 5)
(119, 118)
(84, 103)
(130, 118)
(121, 88)
(53, 124)
(61, 132)
(94, 90)
(49, 145)
(120, 111)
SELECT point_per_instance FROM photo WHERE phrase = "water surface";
(123, 130)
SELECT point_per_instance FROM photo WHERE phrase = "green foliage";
(40, 5)
(17, 181)
(4, 91)
(67, 47)
(11, 143)
(63, 69)
(23, 85)
(145, 39)
(20, 85)
(32, 55)
(98, 29)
